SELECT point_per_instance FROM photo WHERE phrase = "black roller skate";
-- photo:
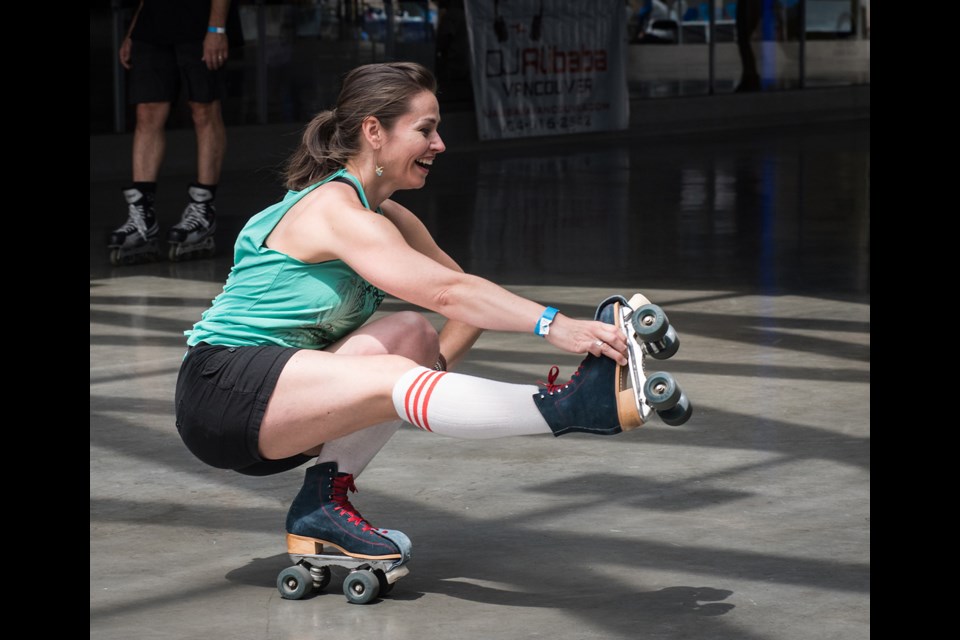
(192, 237)
(136, 240)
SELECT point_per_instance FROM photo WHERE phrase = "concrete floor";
(751, 521)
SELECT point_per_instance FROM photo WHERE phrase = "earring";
(379, 170)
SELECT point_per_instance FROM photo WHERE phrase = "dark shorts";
(157, 73)
(222, 394)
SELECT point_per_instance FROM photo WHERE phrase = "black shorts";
(222, 394)
(157, 72)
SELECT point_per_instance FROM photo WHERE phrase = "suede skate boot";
(321, 515)
(596, 399)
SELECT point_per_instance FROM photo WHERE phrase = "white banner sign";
(547, 67)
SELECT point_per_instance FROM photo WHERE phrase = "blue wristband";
(216, 30)
(543, 325)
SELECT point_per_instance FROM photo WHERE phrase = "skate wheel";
(649, 323)
(115, 257)
(294, 582)
(679, 413)
(661, 391)
(172, 254)
(361, 586)
(666, 347)
(385, 587)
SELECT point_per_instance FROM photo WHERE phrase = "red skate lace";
(339, 495)
(552, 377)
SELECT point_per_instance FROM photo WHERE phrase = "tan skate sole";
(303, 545)
(627, 396)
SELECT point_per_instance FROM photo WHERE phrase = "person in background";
(174, 45)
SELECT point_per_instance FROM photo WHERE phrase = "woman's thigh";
(322, 396)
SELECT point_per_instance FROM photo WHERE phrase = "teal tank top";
(271, 298)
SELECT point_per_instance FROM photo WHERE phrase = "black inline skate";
(135, 241)
(192, 237)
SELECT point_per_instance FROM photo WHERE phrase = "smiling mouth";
(424, 164)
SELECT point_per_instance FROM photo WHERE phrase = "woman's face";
(412, 144)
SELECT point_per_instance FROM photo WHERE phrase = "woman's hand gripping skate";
(588, 336)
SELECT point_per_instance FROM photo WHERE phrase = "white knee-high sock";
(353, 452)
(468, 407)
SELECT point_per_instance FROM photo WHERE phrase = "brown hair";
(383, 90)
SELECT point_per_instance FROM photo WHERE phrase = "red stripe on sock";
(426, 398)
(418, 413)
(411, 415)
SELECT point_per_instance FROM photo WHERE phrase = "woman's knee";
(406, 333)
(415, 338)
